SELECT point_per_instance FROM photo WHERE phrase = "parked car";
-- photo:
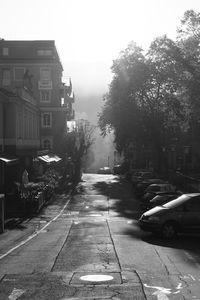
(140, 176)
(153, 189)
(163, 198)
(133, 172)
(141, 186)
(181, 215)
(117, 169)
(105, 170)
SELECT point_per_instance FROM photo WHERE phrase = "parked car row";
(147, 185)
(166, 210)
(117, 170)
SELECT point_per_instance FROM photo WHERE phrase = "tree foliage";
(77, 144)
(154, 96)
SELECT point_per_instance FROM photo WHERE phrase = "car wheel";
(169, 230)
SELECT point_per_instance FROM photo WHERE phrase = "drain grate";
(96, 278)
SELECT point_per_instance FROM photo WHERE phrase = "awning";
(8, 159)
(49, 158)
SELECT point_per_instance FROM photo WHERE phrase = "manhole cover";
(96, 278)
(95, 215)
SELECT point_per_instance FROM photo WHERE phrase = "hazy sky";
(89, 34)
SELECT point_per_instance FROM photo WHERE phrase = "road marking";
(16, 293)
(189, 276)
(162, 292)
(34, 234)
(160, 295)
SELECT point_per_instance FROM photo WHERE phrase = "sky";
(89, 35)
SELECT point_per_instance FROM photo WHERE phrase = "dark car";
(140, 176)
(141, 186)
(153, 189)
(181, 215)
(104, 170)
(162, 198)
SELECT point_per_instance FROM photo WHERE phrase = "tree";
(143, 99)
(77, 144)
(188, 36)
(120, 111)
(154, 99)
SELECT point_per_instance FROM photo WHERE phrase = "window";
(45, 74)
(45, 95)
(19, 74)
(5, 51)
(46, 119)
(44, 52)
(46, 144)
(6, 78)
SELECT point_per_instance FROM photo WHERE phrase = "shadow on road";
(15, 224)
(189, 243)
(120, 196)
(124, 202)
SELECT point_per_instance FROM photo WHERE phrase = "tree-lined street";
(94, 232)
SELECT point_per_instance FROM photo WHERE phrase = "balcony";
(70, 115)
(67, 93)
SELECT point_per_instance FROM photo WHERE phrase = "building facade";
(32, 70)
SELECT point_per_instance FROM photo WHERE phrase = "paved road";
(88, 246)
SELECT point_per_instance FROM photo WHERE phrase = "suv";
(179, 215)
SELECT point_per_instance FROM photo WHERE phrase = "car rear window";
(153, 188)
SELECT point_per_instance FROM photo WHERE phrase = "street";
(87, 245)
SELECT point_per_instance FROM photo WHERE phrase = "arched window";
(46, 144)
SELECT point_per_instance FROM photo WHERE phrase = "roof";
(27, 50)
